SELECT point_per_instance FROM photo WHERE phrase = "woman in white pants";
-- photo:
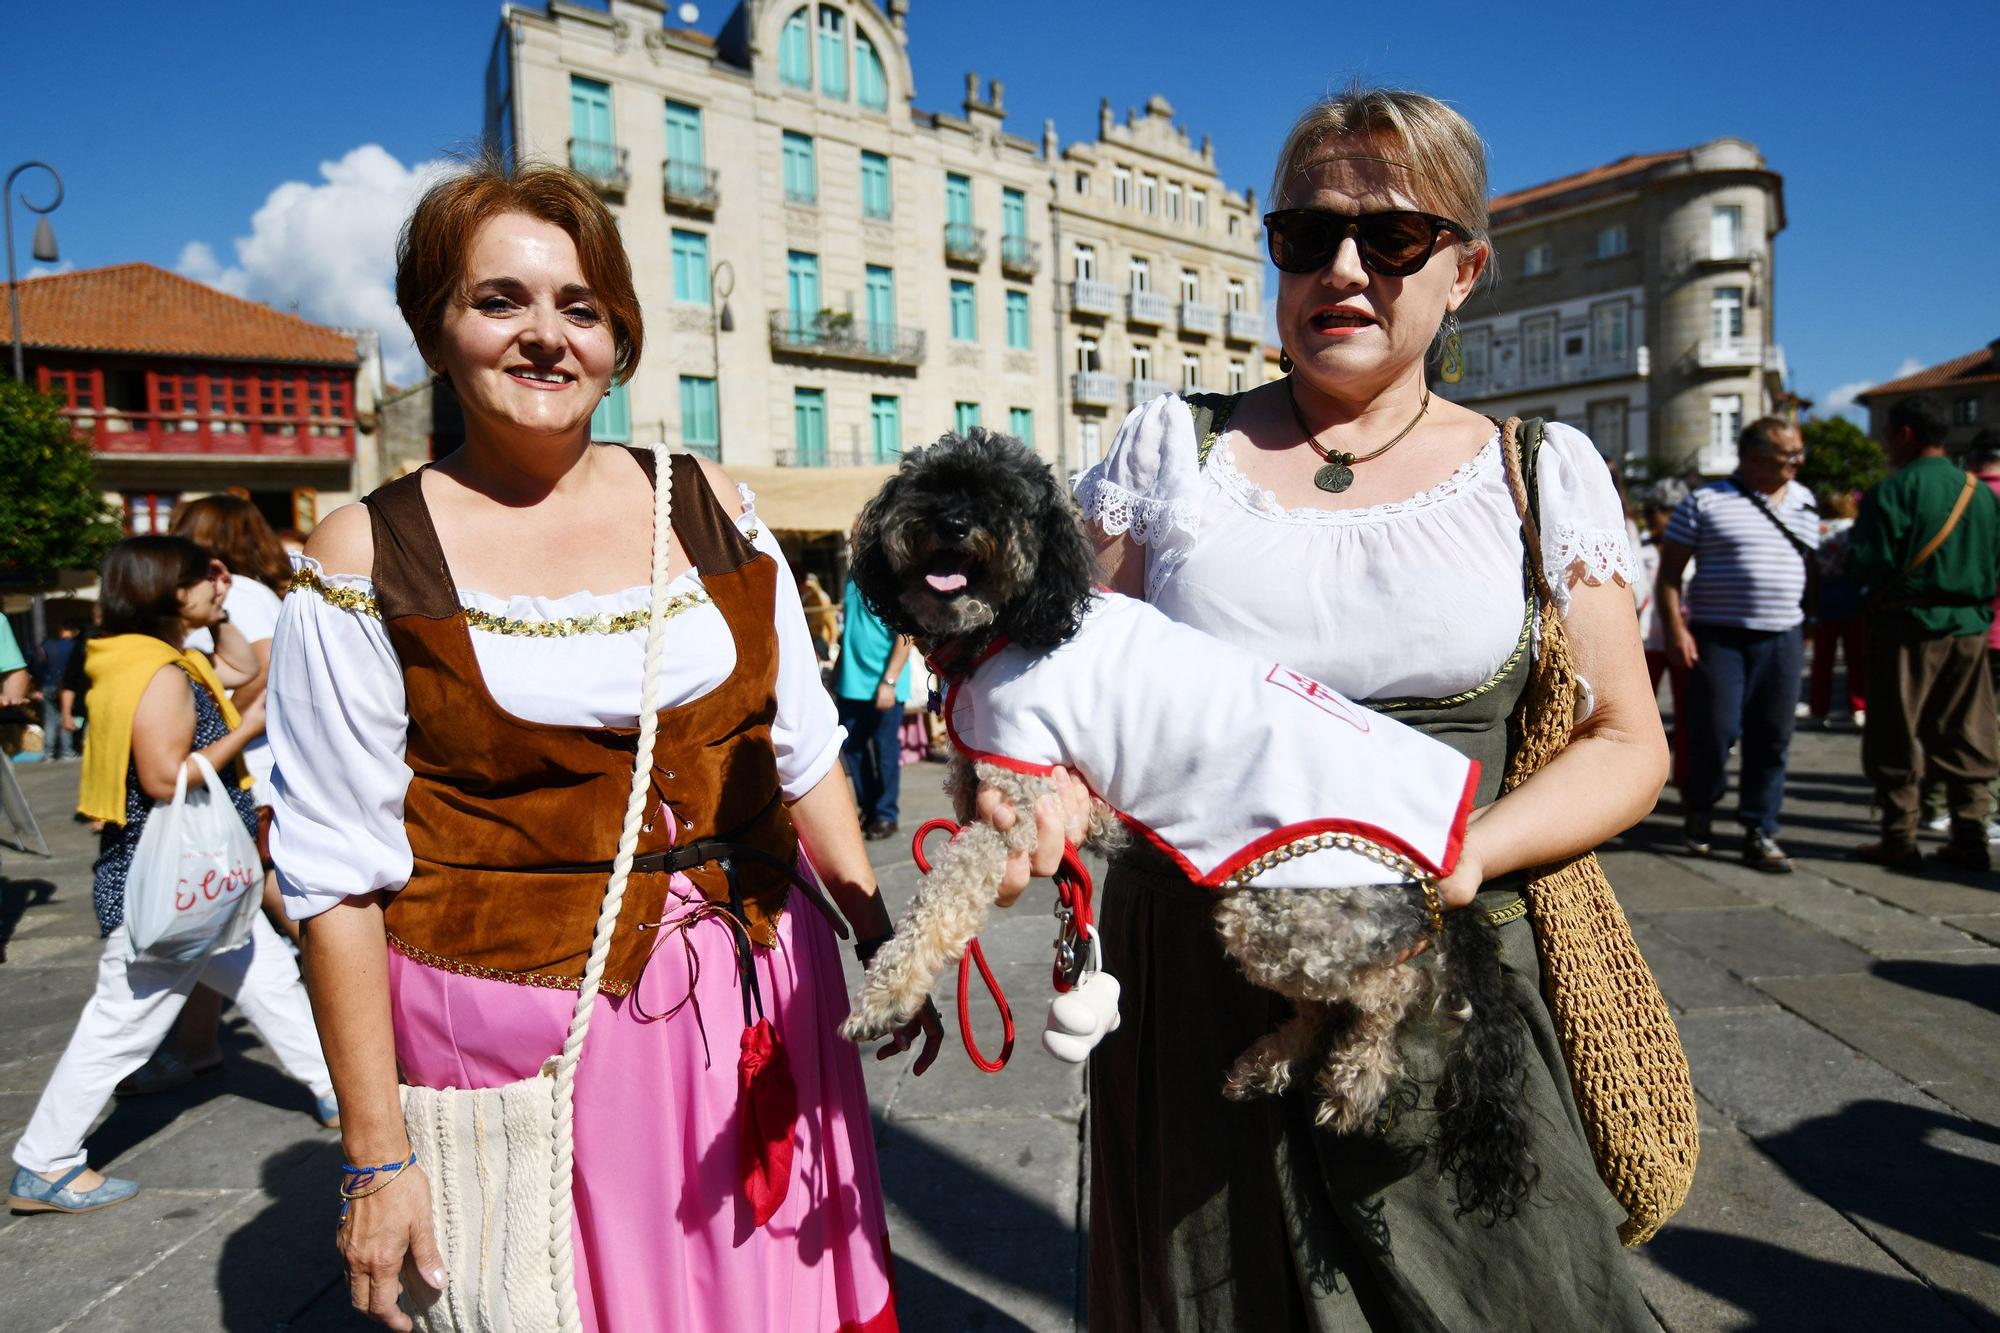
(158, 706)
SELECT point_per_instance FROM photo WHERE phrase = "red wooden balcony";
(215, 437)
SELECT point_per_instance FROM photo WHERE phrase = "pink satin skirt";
(664, 1237)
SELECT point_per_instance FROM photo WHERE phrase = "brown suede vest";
(513, 824)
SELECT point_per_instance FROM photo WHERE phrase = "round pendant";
(1335, 477)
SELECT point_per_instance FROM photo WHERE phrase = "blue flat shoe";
(31, 1194)
(327, 1110)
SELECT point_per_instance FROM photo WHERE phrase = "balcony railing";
(690, 185)
(1706, 253)
(1145, 391)
(1151, 308)
(112, 432)
(964, 243)
(819, 456)
(604, 165)
(709, 449)
(1245, 326)
(1093, 298)
(1020, 256)
(842, 337)
(1729, 353)
(1199, 318)
(1094, 388)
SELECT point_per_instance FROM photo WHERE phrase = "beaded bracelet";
(361, 1180)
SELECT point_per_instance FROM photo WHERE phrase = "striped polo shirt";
(1746, 575)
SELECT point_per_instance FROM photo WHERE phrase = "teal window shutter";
(964, 311)
(874, 185)
(794, 52)
(1021, 424)
(1013, 213)
(701, 430)
(958, 200)
(964, 417)
(1017, 320)
(881, 296)
(684, 134)
(592, 148)
(801, 174)
(832, 52)
(885, 414)
(691, 267)
(611, 423)
(802, 292)
(809, 426)
(871, 81)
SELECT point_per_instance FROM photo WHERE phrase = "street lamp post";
(44, 247)
(721, 282)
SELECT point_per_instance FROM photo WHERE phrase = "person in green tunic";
(1931, 604)
(1358, 527)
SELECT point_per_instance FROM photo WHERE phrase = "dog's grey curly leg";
(1265, 1069)
(946, 914)
(1366, 1062)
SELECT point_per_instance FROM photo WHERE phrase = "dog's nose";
(954, 529)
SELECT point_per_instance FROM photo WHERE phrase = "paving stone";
(946, 1176)
(78, 1262)
(1689, 981)
(1761, 942)
(1653, 883)
(1984, 925)
(1751, 1249)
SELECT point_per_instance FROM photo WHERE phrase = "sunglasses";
(1394, 243)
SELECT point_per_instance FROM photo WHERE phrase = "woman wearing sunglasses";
(1351, 524)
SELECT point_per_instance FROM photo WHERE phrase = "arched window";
(871, 81)
(795, 52)
(832, 53)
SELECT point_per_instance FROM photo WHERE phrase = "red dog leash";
(1073, 912)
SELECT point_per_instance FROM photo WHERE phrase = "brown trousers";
(1930, 710)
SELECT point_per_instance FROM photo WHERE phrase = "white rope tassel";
(561, 1245)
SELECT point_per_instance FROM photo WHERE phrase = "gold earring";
(1453, 369)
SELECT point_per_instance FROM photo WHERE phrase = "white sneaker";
(1860, 718)
(1939, 823)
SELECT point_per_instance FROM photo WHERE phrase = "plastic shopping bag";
(196, 880)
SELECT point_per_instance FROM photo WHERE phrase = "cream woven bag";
(1626, 1065)
(500, 1159)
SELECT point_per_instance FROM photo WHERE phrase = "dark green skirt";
(1217, 1216)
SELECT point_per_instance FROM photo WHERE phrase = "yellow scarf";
(120, 667)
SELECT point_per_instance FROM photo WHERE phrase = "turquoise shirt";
(10, 651)
(865, 645)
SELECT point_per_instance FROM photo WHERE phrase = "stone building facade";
(1635, 302)
(830, 274)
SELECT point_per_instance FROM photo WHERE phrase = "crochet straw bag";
(500, 1159)
(1626, 1065)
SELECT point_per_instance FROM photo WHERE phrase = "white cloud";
(328, 251)
(48, 270)
(1839, 400)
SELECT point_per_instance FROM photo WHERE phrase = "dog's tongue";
(945, 582)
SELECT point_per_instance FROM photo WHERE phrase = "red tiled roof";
(1980, 367)
(1624, 166)
(145, 309)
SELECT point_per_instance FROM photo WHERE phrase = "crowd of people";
(431, 719)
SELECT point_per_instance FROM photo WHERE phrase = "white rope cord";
(561, 1246)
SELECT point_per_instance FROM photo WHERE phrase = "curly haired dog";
(1323, 826)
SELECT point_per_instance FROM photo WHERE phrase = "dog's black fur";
(986, 506)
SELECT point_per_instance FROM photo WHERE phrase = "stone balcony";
(1244, 326)
(1020, 257)
(964, 244)
(690, 186)
(606, 166)
(1094, 388)
(840, 337)
(1089, 297)
(1144, 391)
(1197, 317)
(1150, 308)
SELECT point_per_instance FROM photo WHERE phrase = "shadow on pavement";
(133, 1120)
(1978, 984)
(1780, 1289)
(281, 1262)
(16, 897)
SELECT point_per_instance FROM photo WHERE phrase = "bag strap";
(565, 1063)
(1806, 553)
(1958, 509)
(1549, 705)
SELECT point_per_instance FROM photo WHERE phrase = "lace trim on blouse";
(1572, 553)
(1230, 480)
(1121, 513)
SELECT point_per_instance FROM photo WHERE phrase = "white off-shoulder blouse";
(338, 719)
(1419, 598)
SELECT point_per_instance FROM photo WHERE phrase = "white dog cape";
(1242, 771)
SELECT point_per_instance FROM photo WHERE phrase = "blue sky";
(175, 125)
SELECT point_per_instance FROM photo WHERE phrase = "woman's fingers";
(1014, 879)
(1050, 834)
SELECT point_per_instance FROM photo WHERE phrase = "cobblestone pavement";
(1843, 1024)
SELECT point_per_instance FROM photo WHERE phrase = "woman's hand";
(1060, 817)
(252, 723)
(926, 1025)
(385, 1241)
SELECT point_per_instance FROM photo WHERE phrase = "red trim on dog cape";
(1215, 756)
